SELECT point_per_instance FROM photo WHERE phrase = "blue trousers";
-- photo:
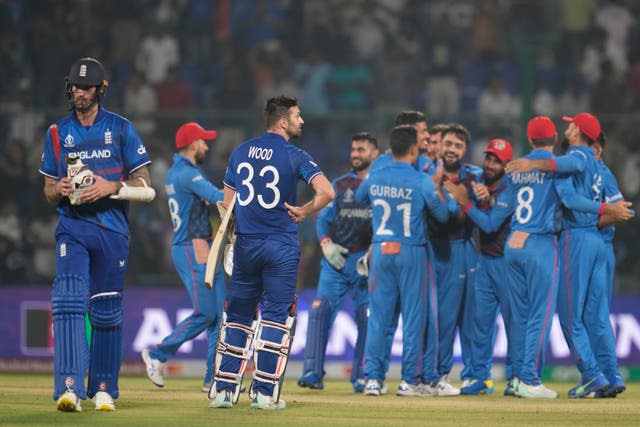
(455, 265)
(583, 306)
(396, 279)
(605, 349)
(533, 288)
(207, 307)
(492, 294)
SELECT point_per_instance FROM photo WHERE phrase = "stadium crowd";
(353, 64)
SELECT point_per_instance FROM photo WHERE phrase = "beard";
(295, 134)
(364, 164)
(496, 177)
(451, 166)
(200, 158)
(83, 105)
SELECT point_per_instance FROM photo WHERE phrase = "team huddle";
(413, 232)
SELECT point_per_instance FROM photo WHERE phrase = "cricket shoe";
(310, 380)
(509, 390)
(465, 383)
(598, 385)
(155, 368)
(223, 399)
(374, 388)
(428, 389)
(69, 402)
(104, 402)
(406, 389)
(358, 385)
(260, 401)
(616, 386)
(534, 391)
(477, 386)
(444, 388)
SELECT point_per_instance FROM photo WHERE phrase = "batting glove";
(334, 253)
(362, 265)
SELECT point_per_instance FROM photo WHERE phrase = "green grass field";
(26, 400)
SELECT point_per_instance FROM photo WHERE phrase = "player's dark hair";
(438, 128)
(278, 107)
(587, 139)
(547, 142)
(360, 136)
(409, 117)
(459, 131)
(401, 139)
(602, 138)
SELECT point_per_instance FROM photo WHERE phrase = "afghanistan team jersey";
(422, 164)
(346, 221)
(188, 194)
(399, 195)
(458, 227)
(264, 172)
(612, 195)
(111, 148)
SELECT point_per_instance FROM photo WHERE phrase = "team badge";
(103, 386)
(68, 141)
(107, 137)
(68, 382)
(348, 196)
(499, 145)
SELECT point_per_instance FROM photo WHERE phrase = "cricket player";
(93, 163)
(343, 228)
(455, 262)
(583, 282)
(399, 196)
(262, 176)
(492, 214)
(188, 195)
(532, 254)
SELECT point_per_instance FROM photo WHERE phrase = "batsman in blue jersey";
(455, 264)
(583, 316)
(492, 215)
(399, 196)
(343, 228)
(93, 163)
(189, 194)
(262, 176)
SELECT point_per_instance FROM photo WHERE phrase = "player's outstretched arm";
(324, 193)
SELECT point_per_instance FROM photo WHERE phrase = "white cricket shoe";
(69, 402)
(374, 388)
(443, 388)
(465, 383)
(104, 402)
(406, 389)
(222, 399)
(428, 390)
(155, 368)
(260, 401)
(534, 391)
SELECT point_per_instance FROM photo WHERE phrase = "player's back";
(535, 199)
(588, 184)
(397, 203)
(264, 172)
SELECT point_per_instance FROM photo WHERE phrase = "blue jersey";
(587, 181)
(422, 164)
(398, 195)
(493, 218)
(188, 194)
(536, 196)
(111, 148)
(612, 194)
(458, 227)
(346, 221)
(264, 172)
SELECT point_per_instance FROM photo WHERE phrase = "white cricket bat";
(217, 247)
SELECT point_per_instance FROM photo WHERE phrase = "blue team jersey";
(346, 221)
(588, 183)
(612, 194)
(111, 148)
(422, 164)
(188, 194)
(264, 172)
(456, 227)
(493, 218)
(399, 195)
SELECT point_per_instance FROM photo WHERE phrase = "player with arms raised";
(100, 158)
(262, 175)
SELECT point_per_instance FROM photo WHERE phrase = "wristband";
(603, 207)
(466, 208)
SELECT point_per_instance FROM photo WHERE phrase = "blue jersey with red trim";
(493, 218)
(345, 221)
(111, 148)
(612, 194)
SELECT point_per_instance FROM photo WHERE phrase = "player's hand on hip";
(296, 213)
(334, 253)
(100, 188)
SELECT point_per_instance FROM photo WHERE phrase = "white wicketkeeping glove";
(334, 253)
(362, 265)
